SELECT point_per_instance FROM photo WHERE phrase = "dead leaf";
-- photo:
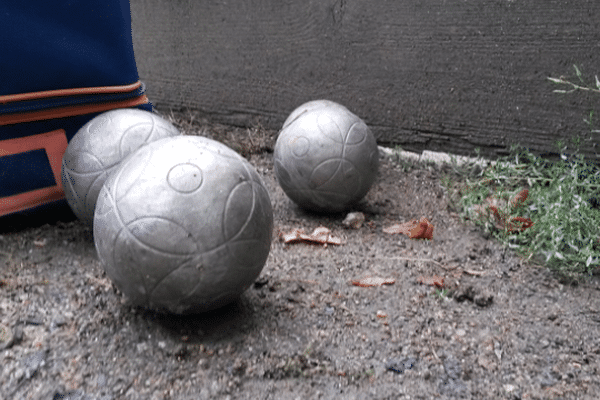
(40, 243)
(492, 206)
(414, 229)
(433, 280)
(320, 235)
(369, 281)
(519, 198)
(518, 224)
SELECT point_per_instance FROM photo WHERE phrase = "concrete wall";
(429, 74)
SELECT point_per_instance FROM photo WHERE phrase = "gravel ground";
(499, 328)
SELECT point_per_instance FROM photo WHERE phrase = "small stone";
(354, 220)
(399, 366)
(510, 388)
(547, 379)
(17, 334)
(142, 347)
(34, 362)
(101, 381)
(57, 323)
(484, 299)
(6, 337)
(452, 367)
(33, 321)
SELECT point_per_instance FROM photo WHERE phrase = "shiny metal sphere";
(326, 158)
(183, 225)
(99, 146)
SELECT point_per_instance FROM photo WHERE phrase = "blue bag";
(61, 64)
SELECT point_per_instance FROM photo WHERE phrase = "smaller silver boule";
(325, 158)
(183, 225)
(97, 149)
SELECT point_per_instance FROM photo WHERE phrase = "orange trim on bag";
(69, 92)
(55, 144)
(63, 112)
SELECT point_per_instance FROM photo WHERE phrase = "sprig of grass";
(563, 200)
(582, 85)
(441, 294)
(577, 83)
(562, 203)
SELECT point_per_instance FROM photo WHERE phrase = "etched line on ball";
(185, 178)
(152, 220)
(359, 130)
(117, 237)
(183, 264)
(124, 166)
(331, 129)
(98, 123)
(154, 122)
(300, 146)
(179, 258)
(228, 208)
(342, 164)
(91, 157)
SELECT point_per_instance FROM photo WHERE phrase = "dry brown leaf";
(518, 224)
(519, 198)
(433, 280)
(492, 206)
(320, 235)
(369, 281)
(414, 229)
(40, 243)
(508, 223)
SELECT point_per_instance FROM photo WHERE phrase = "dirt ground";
(499, 329)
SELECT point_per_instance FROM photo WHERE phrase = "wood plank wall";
(443, 75)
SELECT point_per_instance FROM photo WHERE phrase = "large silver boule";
(325, 158)
(99, 146)
(183, 225)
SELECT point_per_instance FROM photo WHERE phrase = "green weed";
(441, 294)
(562, 204)
(563, 199)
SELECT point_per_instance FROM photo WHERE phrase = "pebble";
(399, 366)
(101, 380)
(6, 337)
(547, 379)
(33, 362)
(452, 367)
(142, 347)
(354, 220)
(33, 321)
(510, 388)
(57, 323)
(451, 384)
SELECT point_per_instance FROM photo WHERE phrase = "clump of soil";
(489, 327)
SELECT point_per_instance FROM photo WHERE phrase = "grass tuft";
(562, 203)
